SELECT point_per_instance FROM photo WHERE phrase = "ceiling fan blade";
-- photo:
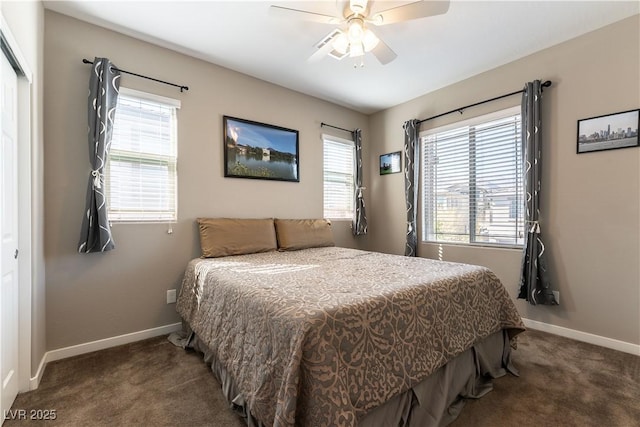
(419, 9)
(303, 15)
(383, 53)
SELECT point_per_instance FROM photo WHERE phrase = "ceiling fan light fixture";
(355, 50)
(341, 43)
(358, 6)
(356, 30)
(369, 40)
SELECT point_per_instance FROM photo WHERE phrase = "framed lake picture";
(260, 151)
(390, 163)
(618, 130)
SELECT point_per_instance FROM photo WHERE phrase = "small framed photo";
(260, 151)
(390, 163)
(609, 132)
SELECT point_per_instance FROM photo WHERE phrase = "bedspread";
(320, 336)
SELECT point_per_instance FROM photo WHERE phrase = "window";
(472, 181)
(339, 171)
(141, 176)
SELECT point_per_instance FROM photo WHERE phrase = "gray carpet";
(562, 383)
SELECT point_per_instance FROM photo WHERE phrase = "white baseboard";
(626, 347)
(75, 350)
(35, 381)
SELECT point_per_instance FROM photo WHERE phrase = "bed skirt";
(435, 401)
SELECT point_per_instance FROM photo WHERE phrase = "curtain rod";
(335, 127)
(461, 109)
(182, 88)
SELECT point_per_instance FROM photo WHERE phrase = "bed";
(316, 335)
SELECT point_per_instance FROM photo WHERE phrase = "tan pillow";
(230, 236)
(294, 234)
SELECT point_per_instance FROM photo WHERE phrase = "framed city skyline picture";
(608, 132)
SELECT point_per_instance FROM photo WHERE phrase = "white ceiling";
(472, 37)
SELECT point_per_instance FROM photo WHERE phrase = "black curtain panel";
(534, 278)
(104, 83)
(411, 149)
(359, 224)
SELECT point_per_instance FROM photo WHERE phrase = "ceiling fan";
(353, 37)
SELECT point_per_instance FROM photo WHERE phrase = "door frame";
(11, 50)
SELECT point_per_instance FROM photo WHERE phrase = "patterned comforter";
(320, 336)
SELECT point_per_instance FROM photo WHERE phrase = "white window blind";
(339, 170)
(472, 181)
(141, 171)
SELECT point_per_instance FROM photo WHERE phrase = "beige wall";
(590, 202)
(26, 23)
(97, 296)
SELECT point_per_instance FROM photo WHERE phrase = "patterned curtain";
(411, 149)
(534, 280)
(359, 224)
(104, 82)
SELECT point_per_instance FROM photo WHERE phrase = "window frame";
(128, 156)
(473, 121)
(351, 144)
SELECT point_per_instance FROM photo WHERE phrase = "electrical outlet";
(171, 296)
(556, 294)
